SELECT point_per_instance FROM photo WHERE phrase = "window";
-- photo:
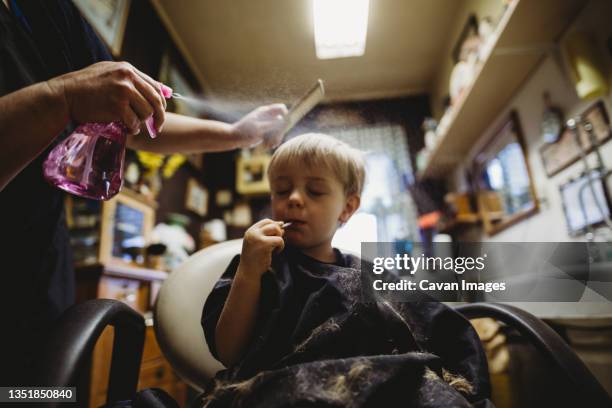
(387, 211)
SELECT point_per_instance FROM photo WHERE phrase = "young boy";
(288, 319)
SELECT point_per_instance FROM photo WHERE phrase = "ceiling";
(263, 51)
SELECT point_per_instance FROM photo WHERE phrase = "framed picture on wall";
(566, 151)
(585, 205)
(251, 172)
(196, 198)
(108, 18)
(223, 198)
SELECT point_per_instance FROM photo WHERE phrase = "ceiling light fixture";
(340, 27)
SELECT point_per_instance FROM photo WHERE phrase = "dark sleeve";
(85, 40)
(215, 302)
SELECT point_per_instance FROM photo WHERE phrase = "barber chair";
(180, 336)
(67, 350)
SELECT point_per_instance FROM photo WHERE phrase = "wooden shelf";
(122, 270)
(471, 218)
(527, 28)
(460, 220)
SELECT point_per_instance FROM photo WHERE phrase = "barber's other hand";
(260, 241)
(262, 125)
(111, 91)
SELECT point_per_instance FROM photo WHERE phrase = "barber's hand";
(111, 91)
(263, 125)
(260, 241)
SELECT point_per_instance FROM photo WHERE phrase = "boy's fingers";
(272, 229)
(256, 228)
(263, 222)
(280, 247)
(276, 242)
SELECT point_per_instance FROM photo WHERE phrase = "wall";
(549, 223)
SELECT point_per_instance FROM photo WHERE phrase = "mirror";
(127, 222)
(502, 179)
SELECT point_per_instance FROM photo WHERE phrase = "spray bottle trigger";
(166, 91)
(151, 127)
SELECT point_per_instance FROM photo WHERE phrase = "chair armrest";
(547, 342)
(74, 336)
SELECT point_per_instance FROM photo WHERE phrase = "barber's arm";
(29, 120)
(32, 117)
(191, 135)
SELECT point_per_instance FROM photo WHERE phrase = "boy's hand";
(260, 241)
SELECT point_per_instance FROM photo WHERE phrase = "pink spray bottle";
(89, 162)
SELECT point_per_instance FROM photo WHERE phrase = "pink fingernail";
(166, 91)
(151, 127)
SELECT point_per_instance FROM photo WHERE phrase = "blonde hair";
(319, 150)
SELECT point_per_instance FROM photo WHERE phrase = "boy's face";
(313, 199)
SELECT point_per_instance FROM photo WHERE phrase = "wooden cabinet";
(130, 291)
(135, 287)
(157, 372)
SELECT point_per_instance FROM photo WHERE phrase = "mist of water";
(225, 110)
